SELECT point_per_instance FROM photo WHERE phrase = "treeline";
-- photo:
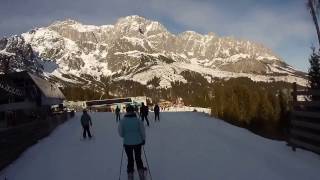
(196, 92)
(110, 89)
(261, 107)
(258, 106)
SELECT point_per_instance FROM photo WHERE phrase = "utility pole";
(312, 7)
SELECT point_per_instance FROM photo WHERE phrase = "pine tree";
(284, 111)
(314, 72)
(265, 110)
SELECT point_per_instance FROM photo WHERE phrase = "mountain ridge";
(138, 49)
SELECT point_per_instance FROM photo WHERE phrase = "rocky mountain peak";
(135, 25)
(66, 22)
(131, 19)
(17, 55)
(139, 49)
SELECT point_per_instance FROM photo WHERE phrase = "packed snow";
(182, 146)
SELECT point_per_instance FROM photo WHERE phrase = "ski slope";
(183, 146)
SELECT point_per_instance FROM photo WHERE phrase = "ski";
(141, 175)
(130, 176)
(87, 139)
(144, 174)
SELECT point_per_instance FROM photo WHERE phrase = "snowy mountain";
(139, 49)
(18, 54)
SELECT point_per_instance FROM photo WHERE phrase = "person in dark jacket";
(144, 111)
(132, 130)
(117, 114)
(86, 123)
(156, 111)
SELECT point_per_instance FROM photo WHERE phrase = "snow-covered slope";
(139, 49)
(183, 146)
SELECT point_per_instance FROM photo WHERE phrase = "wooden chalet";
(25, 112)
(305, 120)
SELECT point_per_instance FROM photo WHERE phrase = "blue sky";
(285, 26)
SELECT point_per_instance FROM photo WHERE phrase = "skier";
(117, 114)
(144, 110)
(132, 130)
(156, 110)
(86, 123)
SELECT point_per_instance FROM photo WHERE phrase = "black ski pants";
(144, 116)
(156, 116)
(137, 155)
(117, 117)
(86, 130)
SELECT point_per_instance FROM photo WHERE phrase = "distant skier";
(132, 130)
(86, 123)
(117, 114)
(156, 111)
(144, 111)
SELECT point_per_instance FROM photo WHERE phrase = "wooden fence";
(13, 141)
(305, 120)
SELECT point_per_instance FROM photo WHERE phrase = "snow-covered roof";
(27, 85)
(47, 88)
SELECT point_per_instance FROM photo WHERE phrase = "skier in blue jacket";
(132, 130)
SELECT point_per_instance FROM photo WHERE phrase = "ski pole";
(121, 163)
(92, 132)
(144, 152)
